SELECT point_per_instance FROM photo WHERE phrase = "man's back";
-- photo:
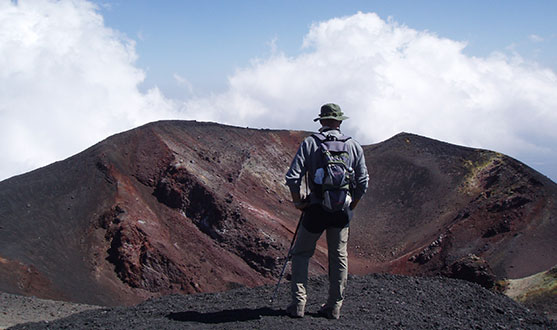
(308, 160)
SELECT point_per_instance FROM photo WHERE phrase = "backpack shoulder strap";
(322, 137)
(331, 143)
(319, 137)
(343, 138)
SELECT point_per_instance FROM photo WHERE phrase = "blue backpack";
(334, 177)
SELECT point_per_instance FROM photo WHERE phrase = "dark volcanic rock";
(373, 302)
(473, 269)
(186, 207)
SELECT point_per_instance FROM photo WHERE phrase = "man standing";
(318, 217)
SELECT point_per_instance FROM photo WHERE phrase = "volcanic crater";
(189, 207)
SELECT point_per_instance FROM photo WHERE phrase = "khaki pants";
(304, 247)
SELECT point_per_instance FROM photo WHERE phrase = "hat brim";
(337, 118)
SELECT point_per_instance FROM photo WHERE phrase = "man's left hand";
(353, 204)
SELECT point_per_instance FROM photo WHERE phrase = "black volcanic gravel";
(372, 302)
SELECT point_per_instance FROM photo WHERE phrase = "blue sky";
(206, 41)
(474, 73)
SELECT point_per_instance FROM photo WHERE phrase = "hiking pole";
(288, 257)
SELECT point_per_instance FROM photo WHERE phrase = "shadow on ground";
(225, 316)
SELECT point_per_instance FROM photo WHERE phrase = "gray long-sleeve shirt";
(306, 161)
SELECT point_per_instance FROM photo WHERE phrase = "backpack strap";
(330, 142)
(320, 137)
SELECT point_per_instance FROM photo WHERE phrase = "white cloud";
(66, 82)
(390, 78)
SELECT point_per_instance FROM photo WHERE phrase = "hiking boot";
(332, 313)
(295, 311)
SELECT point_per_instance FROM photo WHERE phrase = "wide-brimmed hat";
(331, 111)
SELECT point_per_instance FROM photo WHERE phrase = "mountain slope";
(188, 207)
(433, 207)
(171, 206)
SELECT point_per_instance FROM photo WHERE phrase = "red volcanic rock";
(188, 207)
(168, 207)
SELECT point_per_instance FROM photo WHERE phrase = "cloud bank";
(67, 82)
(390, 78)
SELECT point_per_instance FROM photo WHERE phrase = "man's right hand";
(302, 205)
(299, 202)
